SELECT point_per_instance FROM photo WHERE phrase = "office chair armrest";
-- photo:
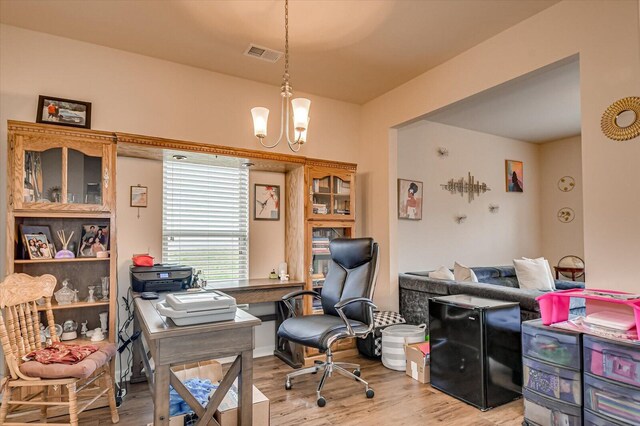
(346, 302)
(287, 299)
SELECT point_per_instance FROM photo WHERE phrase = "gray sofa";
(499, 282)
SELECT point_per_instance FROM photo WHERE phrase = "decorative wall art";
(471, 187)
(494, 208)
(566, 184)
(442, 152)
(267, 202)
(139, 196)
(410, 199)
(514, 177)
(621, 121)
(566, 215)
(64, 112)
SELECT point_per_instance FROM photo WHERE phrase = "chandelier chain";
(286, 41)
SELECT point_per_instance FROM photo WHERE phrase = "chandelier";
(300, 106)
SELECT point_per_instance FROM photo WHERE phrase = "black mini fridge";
(476, 349)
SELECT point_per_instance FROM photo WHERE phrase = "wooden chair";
(21, 335)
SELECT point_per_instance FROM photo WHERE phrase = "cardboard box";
(417, 362)
(226, 414)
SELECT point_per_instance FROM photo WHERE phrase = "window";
(205, 220)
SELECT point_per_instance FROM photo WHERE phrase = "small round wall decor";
(566, 183)
(566, 215)
(621, 121)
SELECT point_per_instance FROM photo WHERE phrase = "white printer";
(198, 308)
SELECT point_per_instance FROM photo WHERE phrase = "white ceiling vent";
(263, 53)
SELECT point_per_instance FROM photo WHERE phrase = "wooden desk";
(172, 345)
(265, 290)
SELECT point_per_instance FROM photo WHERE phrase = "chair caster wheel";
(321, 402)
(356, 373)
(287, 385)
(370, 393)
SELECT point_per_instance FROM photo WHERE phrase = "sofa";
(499, 282)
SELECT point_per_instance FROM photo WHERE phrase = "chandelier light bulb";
(260, 117)
(300, 113)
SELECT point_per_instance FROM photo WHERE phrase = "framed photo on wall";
(139, 196)
(64, 112)
(514, 177)
(409, 199)
(267, 202)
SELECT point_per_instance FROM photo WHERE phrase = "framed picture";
(409, 199)
(36, 230)
(94, 238)
(65, 112)
(38, 246)
(139, 196)
(267, 202)
(514, 178)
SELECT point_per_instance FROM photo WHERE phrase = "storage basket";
(393, 340)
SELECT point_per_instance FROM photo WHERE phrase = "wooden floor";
(399, 400)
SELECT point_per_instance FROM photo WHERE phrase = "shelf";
(87, 341)
(75, 259)
(55, 306)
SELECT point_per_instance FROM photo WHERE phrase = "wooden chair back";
(20, 327)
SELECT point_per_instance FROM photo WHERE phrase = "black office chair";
(348, 309)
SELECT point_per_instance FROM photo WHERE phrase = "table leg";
(161, 396)
(245, 390)
(137, 349)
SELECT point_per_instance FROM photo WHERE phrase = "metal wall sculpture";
(471, 187)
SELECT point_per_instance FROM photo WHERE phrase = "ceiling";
(351, 50)
(538, 107)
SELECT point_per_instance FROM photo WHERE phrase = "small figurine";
(91, 298)
(83, 331)
(97, 335)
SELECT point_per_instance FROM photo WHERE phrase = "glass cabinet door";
(321, 195)
(341, 195)
(42, 176)
(330, 194)
(84, 178)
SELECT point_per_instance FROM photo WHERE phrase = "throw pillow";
(533, 274)
(441, 273)
(464, 273)
(546, 262)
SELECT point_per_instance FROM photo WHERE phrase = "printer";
(160, 277)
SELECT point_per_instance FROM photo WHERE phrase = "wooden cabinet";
(57, 169)
(331, 193)
(63, 179)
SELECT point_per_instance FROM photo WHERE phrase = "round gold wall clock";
(621, 121)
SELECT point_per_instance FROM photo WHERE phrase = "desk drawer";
(555, 346)
(544, 411)
(609, 399)
(555, 382)
(612, 360)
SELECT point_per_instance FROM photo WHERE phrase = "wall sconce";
(443, 152)
(493, 208)
(460, 218)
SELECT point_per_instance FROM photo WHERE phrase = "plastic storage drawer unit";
(613, 400)
(592, 419)
(555, 382)
(560, 347)
(612, 360)
(544, 411)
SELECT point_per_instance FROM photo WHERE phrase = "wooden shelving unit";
(74, 260)
(77, 305)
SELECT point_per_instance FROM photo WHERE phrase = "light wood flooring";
(399, 400)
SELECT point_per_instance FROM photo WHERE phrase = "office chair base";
(346, 369)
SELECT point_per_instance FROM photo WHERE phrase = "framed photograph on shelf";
(267, 202)
(64, 112)
(139, 196)
(514, 177)
(94, 239)
(36, 230)
(409, 199)
(38, 246)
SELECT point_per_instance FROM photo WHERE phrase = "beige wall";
(485, 238)
(606, 36)
(557, 159)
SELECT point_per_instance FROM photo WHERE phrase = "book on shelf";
(321, 185)
(320, 208)
(343, 187)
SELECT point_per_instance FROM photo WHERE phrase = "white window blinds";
(205, 220)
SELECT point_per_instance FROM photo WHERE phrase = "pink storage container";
(612, 359)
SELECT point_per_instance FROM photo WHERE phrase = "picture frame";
(266, 205)
(63, 112)
(410, 195)
(38, 246)
(34, 230)
(94, 238)
(139, 196)
(514, 175)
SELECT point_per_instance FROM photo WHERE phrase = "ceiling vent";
(263, 53)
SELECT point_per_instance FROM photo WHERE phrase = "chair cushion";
(316, 330)
(80, 370)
